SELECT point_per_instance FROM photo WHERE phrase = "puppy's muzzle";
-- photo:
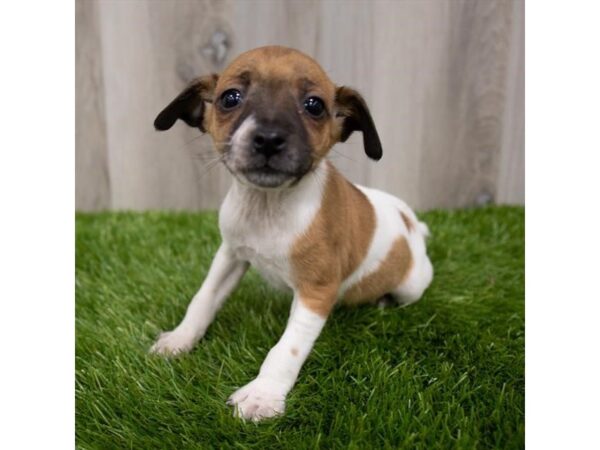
(271, 155)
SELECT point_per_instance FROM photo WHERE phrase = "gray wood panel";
(511, 177)
(444, 79)
(150, 52)
(91, 158)
(464, 105)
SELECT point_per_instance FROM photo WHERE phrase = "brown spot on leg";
(294, 351)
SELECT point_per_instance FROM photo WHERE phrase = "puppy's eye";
(231, 98)
(314, 106)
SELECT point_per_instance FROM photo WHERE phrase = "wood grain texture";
(464, 106)
(150, 51)
(511, 176)
(91, 158)
(444, 80)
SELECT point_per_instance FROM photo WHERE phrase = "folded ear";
(353, 110)
(189, 104)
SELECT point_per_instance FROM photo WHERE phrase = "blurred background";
(444, 80)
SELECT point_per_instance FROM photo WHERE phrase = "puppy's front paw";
(171, 343)
(259, 399)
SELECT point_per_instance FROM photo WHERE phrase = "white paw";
(259, 399)
(171, 343)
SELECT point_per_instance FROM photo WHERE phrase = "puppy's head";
(273, 114)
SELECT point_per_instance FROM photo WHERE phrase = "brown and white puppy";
(274, 115)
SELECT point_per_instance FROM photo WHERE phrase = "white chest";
(264, 245)
(262, 226)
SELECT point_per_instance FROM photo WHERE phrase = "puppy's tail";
(410, 219)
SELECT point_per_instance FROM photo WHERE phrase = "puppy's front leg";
(224, 275)
(265, 396)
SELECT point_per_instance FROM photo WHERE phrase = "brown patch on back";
(409, 225)
(334, 245)
(386, 278)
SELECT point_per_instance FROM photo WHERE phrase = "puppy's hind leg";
(412, 288)
(223, 277)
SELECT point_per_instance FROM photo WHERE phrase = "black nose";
(269, 141)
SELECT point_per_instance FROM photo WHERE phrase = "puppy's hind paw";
(386, 301)
(172, 343)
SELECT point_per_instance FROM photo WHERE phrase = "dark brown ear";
(189, 105)
(356, 117)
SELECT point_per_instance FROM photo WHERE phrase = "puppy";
(274, 115)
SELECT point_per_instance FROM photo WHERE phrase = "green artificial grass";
(447, 372)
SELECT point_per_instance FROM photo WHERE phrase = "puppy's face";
(273, 115)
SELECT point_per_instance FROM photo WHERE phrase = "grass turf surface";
(447, 372)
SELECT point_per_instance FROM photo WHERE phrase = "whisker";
(189, 142)
(209, 167)
(207, 160)
(342, 155)
(213, 143)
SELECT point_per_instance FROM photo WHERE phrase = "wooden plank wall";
(444, 80)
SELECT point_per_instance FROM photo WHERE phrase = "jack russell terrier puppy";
(274, 115)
